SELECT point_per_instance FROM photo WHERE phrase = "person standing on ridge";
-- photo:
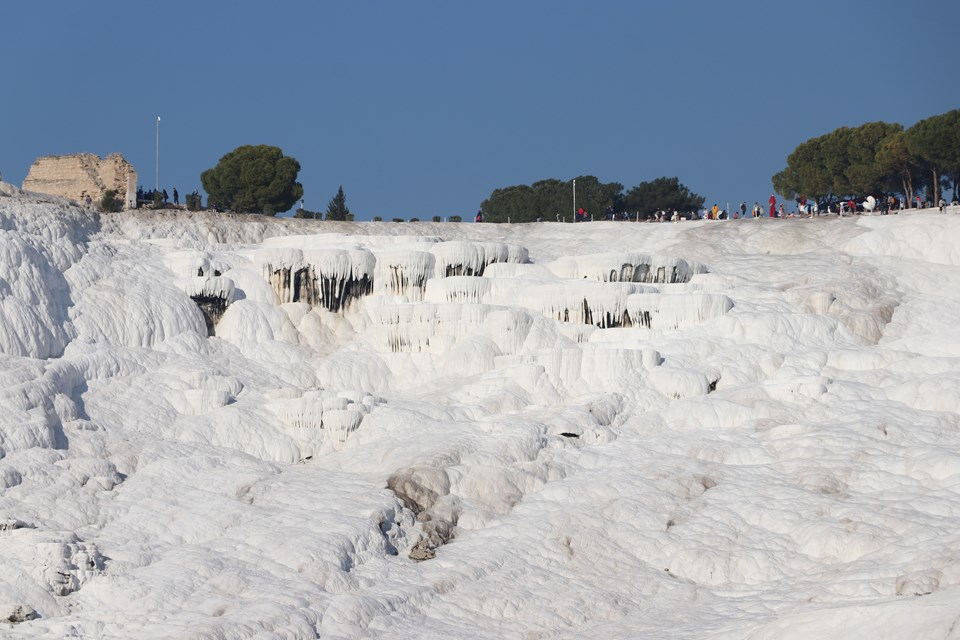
(176, 196)
(773, 205)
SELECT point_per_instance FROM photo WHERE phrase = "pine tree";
(337, 209)
(254, 179)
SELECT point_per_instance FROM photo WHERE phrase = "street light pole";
(574, 199)
(156, 185)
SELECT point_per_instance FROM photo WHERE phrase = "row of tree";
(260, 179)
(877, 158)
(554, 199)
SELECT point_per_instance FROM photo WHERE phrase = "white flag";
(158, 118)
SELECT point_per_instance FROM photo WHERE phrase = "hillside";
(742, 429)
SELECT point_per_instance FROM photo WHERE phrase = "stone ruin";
(79, 175)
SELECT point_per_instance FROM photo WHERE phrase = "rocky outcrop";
(8, 524)
(426, 492)
(17, 613)
(9, 190)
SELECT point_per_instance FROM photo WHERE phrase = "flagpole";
(156, 185)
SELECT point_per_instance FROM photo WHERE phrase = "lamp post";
(574, 199)
(156, 185)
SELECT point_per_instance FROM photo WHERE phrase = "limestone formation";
(77, 176)
(9, 524)
(8, 190)
(17, 613)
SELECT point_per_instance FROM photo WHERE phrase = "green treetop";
(254, 179)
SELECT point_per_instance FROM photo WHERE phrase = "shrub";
(192, 200)
(455, 219)
(414, 219)
(437, 218)
(398, 219)
(110, 203)
(378, 218)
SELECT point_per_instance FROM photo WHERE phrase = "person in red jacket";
(773, 205)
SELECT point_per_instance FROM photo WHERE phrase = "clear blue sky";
(423, 108)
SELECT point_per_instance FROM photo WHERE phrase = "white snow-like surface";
(747, 429)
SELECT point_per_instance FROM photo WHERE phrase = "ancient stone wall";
(78, 175)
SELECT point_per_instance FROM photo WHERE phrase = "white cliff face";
(740, 429)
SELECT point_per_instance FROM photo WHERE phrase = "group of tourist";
(153, 195)
(810, 209)
(805, 209)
